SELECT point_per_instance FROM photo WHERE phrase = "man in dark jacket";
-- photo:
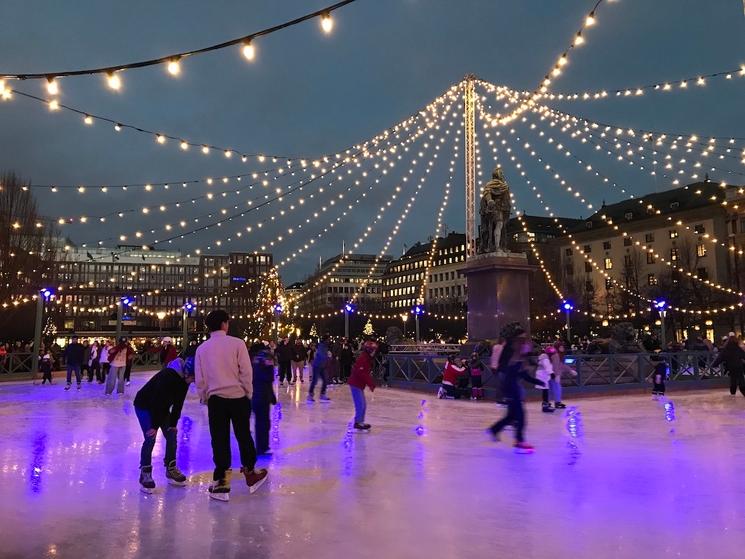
(74, 361)
(263, 397)
(158, 405)
(346, 358)
(319, 369)
(284, 357)
(732, 355)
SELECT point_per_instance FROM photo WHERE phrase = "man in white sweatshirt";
(224, 380)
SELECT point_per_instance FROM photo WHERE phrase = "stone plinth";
(498, 292)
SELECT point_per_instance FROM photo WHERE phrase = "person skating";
(658, 377)
(543, 373)
(74, 361)
(513, 364)
(319, 369)
(360, 377)
(346, 360)
(732, 355)
(560, 368)
(283, 353)
(118, 357)
(452, 378)
(476, 369)
(299, 357)
(158, 405)
(224, 381)
(45, 366)
(94, 363)
(263, 398)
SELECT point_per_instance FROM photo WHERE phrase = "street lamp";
(661, 306)
(187, 309)
(404, 318)
(161, 315)
(349, 308)
(120, 304)
(568, 308)
(417, 311)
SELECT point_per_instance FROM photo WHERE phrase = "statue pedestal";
(498, 292)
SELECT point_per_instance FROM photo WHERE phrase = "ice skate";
(546, 408)
(325, 398)
(492, 435)
(174, 475)
(68, 386)
(362, 427)
(146, 479)
(560, 405)
(524, 448)
(441, 393)
(79, 385)
(254, 478)
(220, 489)
(310, 399)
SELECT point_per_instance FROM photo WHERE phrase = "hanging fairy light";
(327, 23)
(52, 86)
(113, 81)
(249, 51)
(174, 66)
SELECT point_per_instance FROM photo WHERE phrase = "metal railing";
(425, 349)
(592, 370)
(21, 362)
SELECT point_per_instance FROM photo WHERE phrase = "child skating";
(560, 368)
(476, 369)
(158, 405)
(513, 364)
(360, 378)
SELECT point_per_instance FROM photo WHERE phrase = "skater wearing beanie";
(513, 364)
(263, 398)
(158, 406)
(224, 381)
(361, 377)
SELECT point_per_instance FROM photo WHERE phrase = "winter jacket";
(299, 353)
(74, 353)
(284, 353)
(263, 378)
(119, 355)
(451, 374)
(362, 372)
(222, 368)
(321, 356)
(512, 374)
(543, 371)
(731, 355)
(163, 396)
(496, 351)
(346, 355)
(168, 353)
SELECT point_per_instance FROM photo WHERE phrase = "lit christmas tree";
(313, 332)
(368, 329)
(271, 293)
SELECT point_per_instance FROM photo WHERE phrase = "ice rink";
(642, 486)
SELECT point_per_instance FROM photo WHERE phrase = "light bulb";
(53, 105)
(579, 40)
(590, 21)
(249, 51)
(52, 87)
(563, 60)
(117, 127)
(327, 23)
(228, 153)
(88, 120)
(114, 81)
(205, 150)
(161, 139)
(174, 67)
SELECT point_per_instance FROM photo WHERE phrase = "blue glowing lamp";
(278, 308)
(47, 294)
(349, 308)
(567, 306)
(189, 306)
(126, 301)
(418, 310)
(660, 304)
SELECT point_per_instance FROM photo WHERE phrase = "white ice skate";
(220, 489)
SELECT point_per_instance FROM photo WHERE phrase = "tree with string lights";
(271, 294)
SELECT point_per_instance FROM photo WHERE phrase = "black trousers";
(285, 371)
(736, 381)
(346, 370)
(260, 407)
(94, 369)
(222, 412)
(127, 371)
(515, 416)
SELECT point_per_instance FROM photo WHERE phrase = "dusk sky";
(311, 94)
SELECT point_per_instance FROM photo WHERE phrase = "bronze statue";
(495, 213)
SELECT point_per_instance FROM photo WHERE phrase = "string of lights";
(172, 62)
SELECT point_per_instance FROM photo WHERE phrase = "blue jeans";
(319, 372)
(554, 387)
(146, 453)
(115, 376)
(70, 369)
(360, 404)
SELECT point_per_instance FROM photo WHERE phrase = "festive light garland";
(173, 61)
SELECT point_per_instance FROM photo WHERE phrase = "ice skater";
(560, 368)
(732, 355)
(224, 379)
(263, 397)
(118, 357)
(74, 361)
(452, 378)
(513, 364)
(543, 372)
(45, 366)
(158, 405)
(319, 369)
(361, 377)
(476, 370)
(658, 378)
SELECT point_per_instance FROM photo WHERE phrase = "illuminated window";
(608, 263)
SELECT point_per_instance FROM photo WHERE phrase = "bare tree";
(28, 242)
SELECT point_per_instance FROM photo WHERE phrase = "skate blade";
(362, 430)
(146, 490)
(176, 483)
(255, 487)
(224, 497)
(524, 451)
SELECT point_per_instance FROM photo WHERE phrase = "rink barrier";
(595, 370)
(20, 363)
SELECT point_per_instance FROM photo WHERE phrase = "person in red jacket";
(360, 378)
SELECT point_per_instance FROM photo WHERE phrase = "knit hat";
(512, 331)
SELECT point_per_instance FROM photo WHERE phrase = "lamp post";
(348, 309)
(120, 304)
(404, 318)
(161, 315)
(277, 312)
(44, 295)
(661, 306)
(417, 311)
(568, 308)
(187, 309)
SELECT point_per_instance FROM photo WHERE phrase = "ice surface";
(641, 486)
